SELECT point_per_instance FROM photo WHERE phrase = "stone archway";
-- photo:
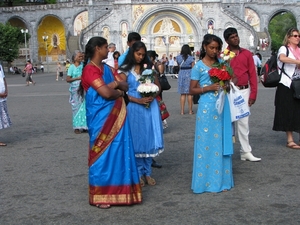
(24, 49)
(279, 23)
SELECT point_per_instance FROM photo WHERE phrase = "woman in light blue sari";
(113, 175)
(145, 122)
(78, 105)
(213, 148)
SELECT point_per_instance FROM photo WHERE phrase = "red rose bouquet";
(221, 71)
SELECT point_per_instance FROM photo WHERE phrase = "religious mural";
(54, 29)
(196, 10)
(252, 19)
(139, 10)
(80, 22)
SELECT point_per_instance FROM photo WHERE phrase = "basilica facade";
(165, 25)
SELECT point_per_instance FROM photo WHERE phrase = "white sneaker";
(165, 124)
(249, 157)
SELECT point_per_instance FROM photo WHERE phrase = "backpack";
(269, 72)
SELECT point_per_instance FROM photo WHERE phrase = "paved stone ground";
(44, 168)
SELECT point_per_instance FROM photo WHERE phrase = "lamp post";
(45, 38)
(25, 32)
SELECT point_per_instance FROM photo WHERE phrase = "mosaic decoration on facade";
(252, 19)
(81, 21)
(138, 10)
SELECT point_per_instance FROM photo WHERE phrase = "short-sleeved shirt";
(289, 68)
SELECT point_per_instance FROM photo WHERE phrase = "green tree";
(279, 26)
(10, 38)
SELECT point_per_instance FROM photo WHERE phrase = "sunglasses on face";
(296, 35)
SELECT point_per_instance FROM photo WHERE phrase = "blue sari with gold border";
(113, 176)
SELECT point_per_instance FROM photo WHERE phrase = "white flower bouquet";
(147, 88)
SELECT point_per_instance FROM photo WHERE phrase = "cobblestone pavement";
(44, 168)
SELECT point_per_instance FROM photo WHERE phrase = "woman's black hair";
(116, 53)
(89, 53)
(258, 55)
(185, 51)
(129, 61)
(207, 39)
(91, 47)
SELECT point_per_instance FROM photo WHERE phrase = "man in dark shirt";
(244, 69)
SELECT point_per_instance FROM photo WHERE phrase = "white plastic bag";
(238, 106)
(220, 102)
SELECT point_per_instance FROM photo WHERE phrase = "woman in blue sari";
(113, 175)
(78, 105)
(213, 148)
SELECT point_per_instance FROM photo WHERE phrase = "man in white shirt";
(110, 59)
(257, 63)
(171, 64)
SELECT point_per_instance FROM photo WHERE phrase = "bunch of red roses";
(221, 71)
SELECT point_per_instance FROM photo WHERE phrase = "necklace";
(137, 70)
(95, 64)
(208, 62)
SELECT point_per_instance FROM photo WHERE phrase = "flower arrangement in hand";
(147, 88)
(221, 71)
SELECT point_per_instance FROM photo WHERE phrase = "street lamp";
(45, 38)
(25, 32)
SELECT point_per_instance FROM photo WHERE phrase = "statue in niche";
(54, 41)
(210, 27)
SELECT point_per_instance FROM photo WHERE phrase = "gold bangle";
(116, 84)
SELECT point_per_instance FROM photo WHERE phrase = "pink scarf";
(296, 51)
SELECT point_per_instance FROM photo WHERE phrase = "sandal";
(191, 113)
(292, 145)
(142, 182)
(77, 131)
(103, 206)
(150, 181)
(2, 144)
